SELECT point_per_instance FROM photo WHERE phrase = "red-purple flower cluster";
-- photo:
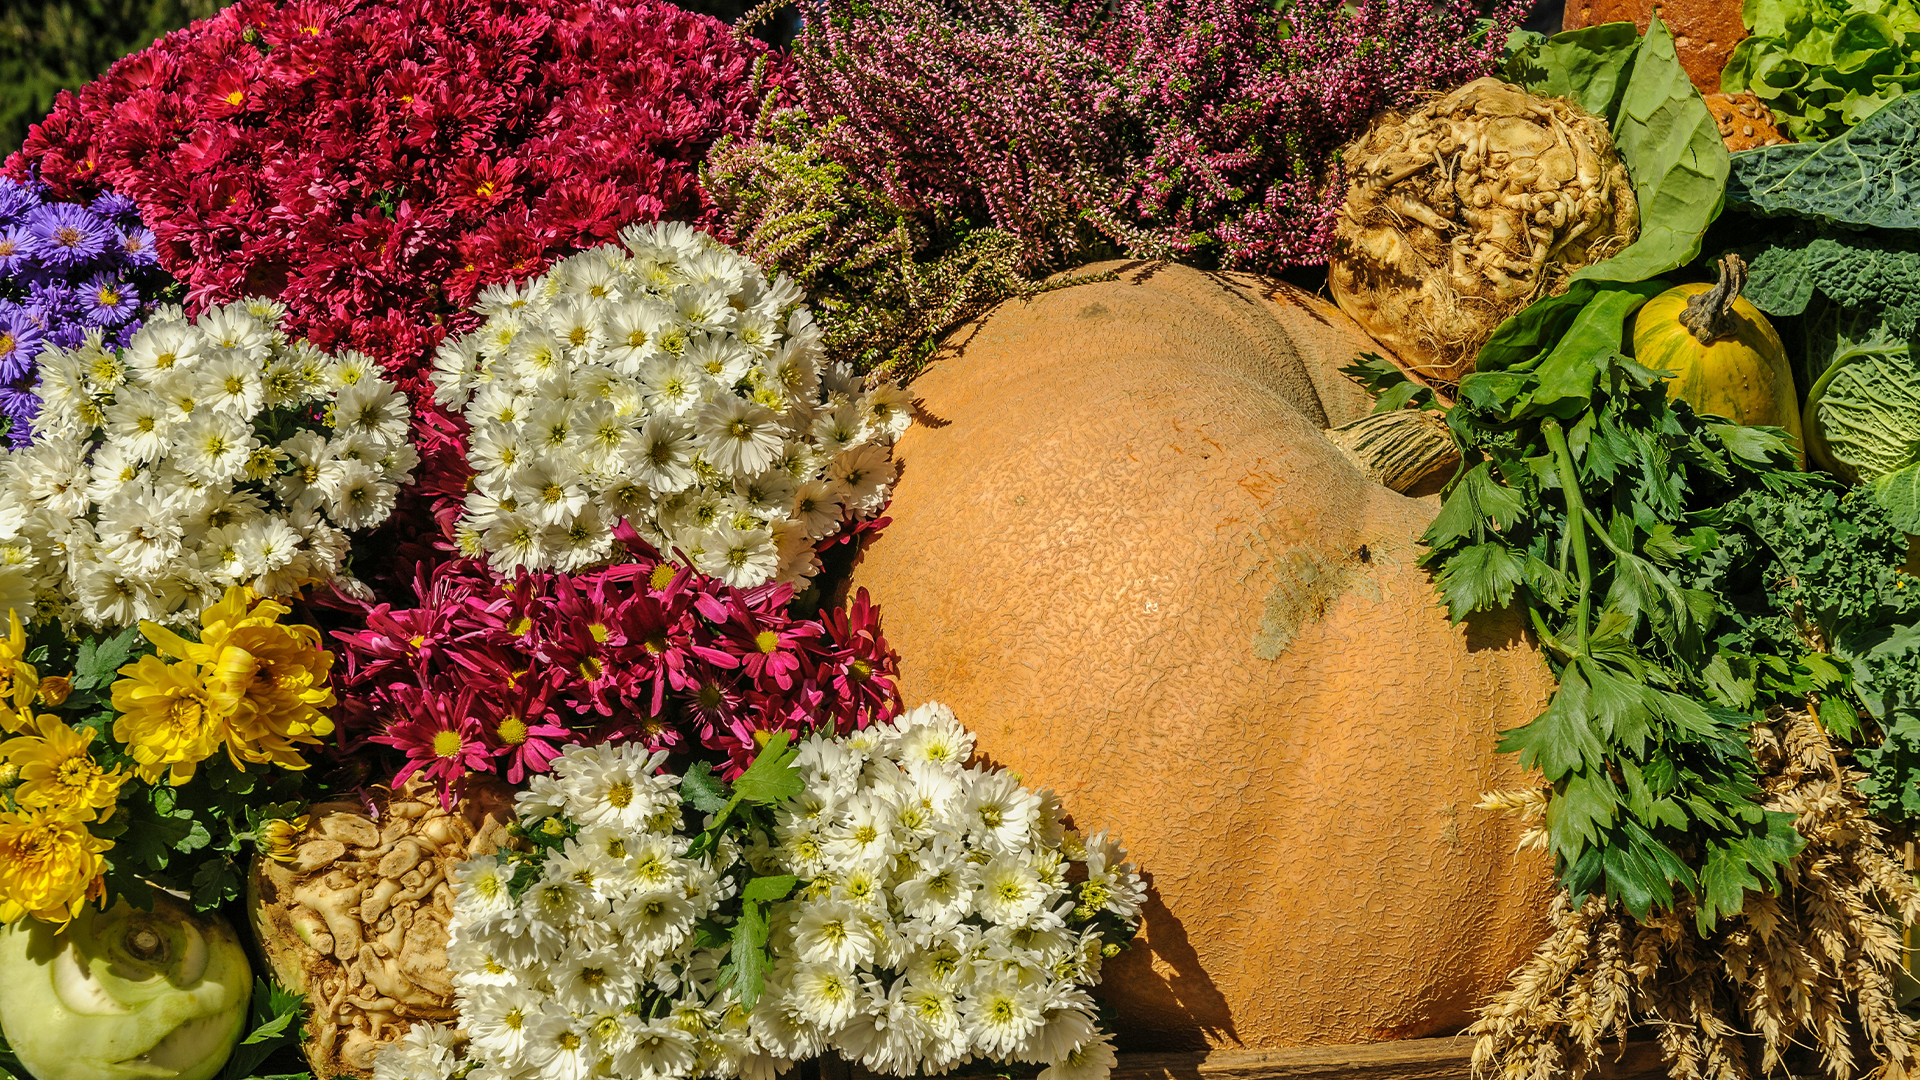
(373, 163)
(1197, 129)
(485, 676)
(65, 269)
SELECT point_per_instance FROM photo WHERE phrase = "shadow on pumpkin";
(1165, 981)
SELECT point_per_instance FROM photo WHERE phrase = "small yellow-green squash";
(1725, 356)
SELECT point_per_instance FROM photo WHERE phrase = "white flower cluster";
(208, 453)
(671, 385)
(942, 914)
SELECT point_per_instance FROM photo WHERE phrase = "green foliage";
(1870, 177)
(1847, 261)
(885, 281)
(1602, 509)
(273, 1026)
(1826, 65)
(1389, 385)
(1666, 137)
(51, 45)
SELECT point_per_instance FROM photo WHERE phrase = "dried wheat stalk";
(1812, 967)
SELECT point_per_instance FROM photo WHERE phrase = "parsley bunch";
(1606, 511)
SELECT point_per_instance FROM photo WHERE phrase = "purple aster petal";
(16, 199)
(116, 207)
(21, 338)
(67, 236)
(14, 246)
(136, 245)
(20, 407)
(109, 300)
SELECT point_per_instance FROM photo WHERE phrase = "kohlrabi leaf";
(1674, 156)
(1868, 177)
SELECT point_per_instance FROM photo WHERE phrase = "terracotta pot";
(1123, 550)
(1704, 31)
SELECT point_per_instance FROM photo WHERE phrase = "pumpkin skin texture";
(1137, 570)
(1742, 375)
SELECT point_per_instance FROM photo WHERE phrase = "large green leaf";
(1869, 176)
(1675, 157)
(1589, 66)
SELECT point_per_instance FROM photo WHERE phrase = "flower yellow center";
(512, 730)
(447, 744)
(486, 186)
(236, 98)
(66, 236)
(767, 641)
(662, 576)
(620, 795)
(599, 631)
(590, 669)
(7, 344)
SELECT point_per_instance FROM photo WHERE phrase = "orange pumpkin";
(1125, 552)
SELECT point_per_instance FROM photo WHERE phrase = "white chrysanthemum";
(192, 461)
(425, 1052)
(678, 370)
(931, 735)
(832, 932)
(1093, 1060)
(999, 812)
(1001, 1016)
(656, 1050)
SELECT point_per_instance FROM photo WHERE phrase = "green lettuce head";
(124, 994)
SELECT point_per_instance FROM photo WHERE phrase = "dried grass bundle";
(1809, 971)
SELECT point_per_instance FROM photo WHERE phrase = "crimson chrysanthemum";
(372, 164)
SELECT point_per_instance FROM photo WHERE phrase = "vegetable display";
(124, 994)
(1462, 212)
(1229, 649)
(1826, 65)
(496, 493)
(1723, 356)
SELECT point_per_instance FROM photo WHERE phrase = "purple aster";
(109, 300)
(16, 199)
(61, 309)
(136, 243)
(116, 208)
(14, 243)
(19, 407)
(20, 340)
(66, 236)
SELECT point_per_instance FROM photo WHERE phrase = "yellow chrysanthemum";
(166, 721)
(279, 836)
(57, 772)
(19, 682)
(264, 685)
(49, 865)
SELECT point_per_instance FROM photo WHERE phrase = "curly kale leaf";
(1868, 177)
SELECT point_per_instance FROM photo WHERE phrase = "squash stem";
(1576, 525)
(1709, 315)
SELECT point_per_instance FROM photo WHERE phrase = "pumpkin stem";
(1401, 449)
(1709, 315)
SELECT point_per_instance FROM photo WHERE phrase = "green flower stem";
(1576, 525)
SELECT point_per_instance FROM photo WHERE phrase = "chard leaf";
(1868, 177)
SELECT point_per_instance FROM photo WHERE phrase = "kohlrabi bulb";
(124, 994)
